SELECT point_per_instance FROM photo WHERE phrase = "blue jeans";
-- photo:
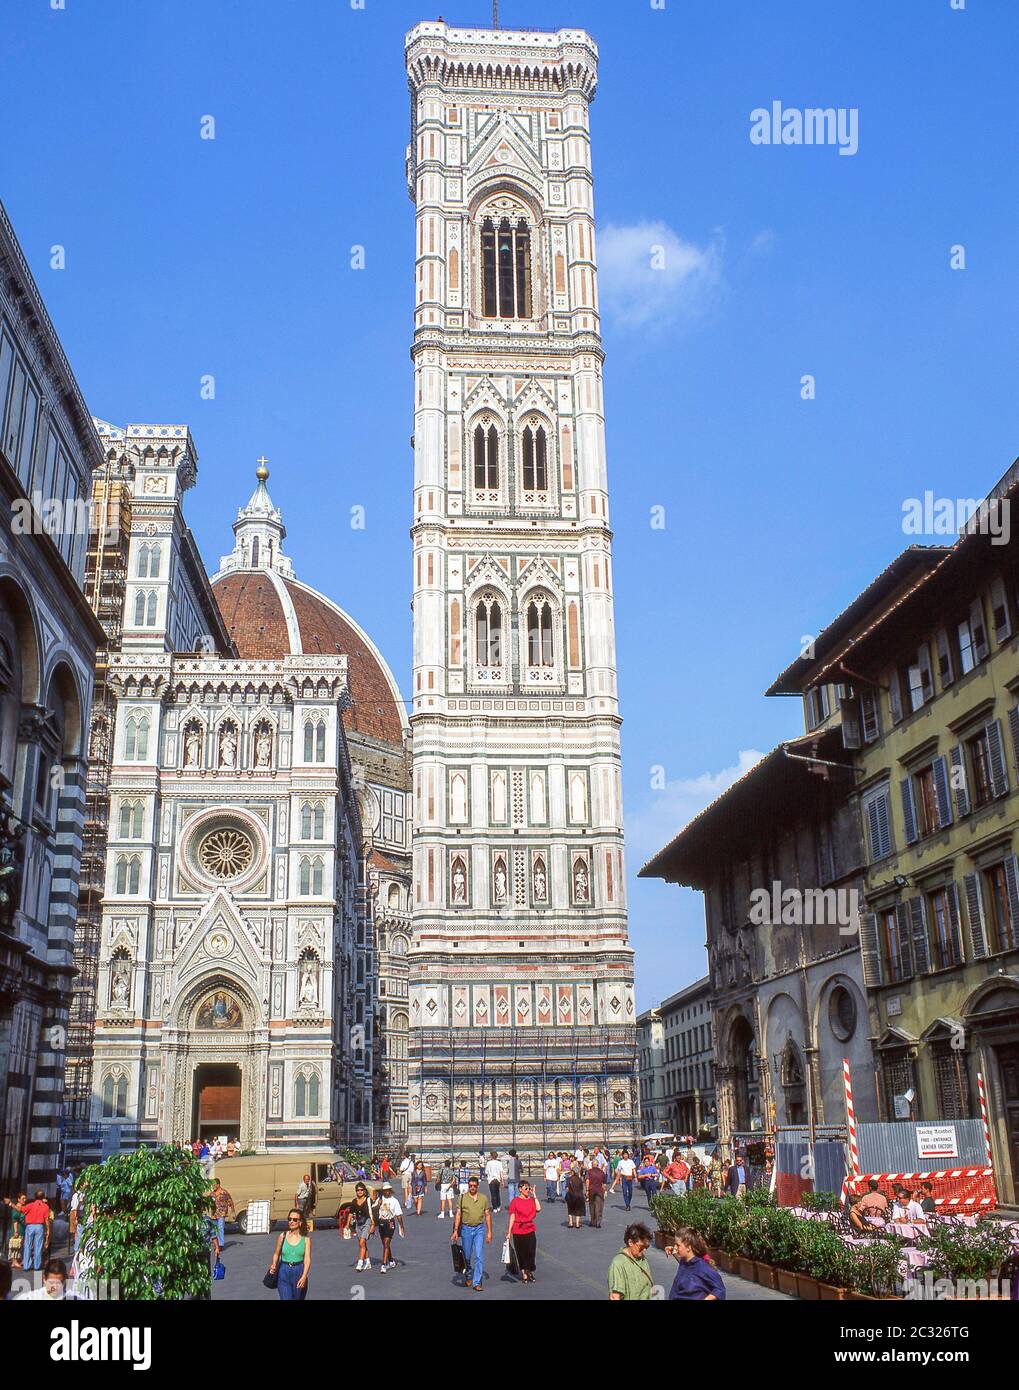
(550, 1190)
(33, 1246)
(287, 1285)
(627, 1186)
(512, 1189)
(473, 1238)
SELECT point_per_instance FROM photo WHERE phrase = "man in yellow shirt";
(472, 1226)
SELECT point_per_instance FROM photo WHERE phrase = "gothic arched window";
(535, 452)
(488, 631)
(505, 269)
(539, 633)
(254, 553)
(136, 738)
(115, 1098)
(139, 608)
(131, 813)
(486, 457)
(315, 741)
(150, 610)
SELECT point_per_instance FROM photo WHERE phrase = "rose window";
(226, 853)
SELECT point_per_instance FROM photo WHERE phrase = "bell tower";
(522, 1012)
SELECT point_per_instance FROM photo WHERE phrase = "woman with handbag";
(359, 1224)
(291, 1262)
(521, 1234)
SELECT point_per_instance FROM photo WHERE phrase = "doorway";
(1008, 1069)
(217, 1100)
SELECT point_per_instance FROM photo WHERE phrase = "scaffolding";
(529, 1089)
(105, 589)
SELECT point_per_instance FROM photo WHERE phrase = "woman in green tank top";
(292, 1259)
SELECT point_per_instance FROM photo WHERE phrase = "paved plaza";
(570, 1264)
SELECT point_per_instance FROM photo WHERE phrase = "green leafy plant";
(146, 1236)
(820, 1201)
(966, 1252)
(875, 1268)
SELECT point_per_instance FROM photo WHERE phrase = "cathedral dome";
(270, 614)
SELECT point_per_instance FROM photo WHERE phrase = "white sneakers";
(364, 1264)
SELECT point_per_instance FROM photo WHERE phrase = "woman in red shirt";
(522, 1211)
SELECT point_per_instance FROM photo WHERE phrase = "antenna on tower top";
(495, 14)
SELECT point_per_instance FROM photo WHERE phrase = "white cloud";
(668, 811)
(650, 277)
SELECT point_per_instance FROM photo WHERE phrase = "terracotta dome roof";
(270, 616)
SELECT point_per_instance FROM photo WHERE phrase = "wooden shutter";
(918, 935)
(999, 612)
(939, 768)
(869, 716)
(851, 725)
(945, 669)
(895, 697)
(869, 952)
(1012, 883)
(884, 818)
(996, 758)
(908, 809)
(923, 660)
(903, 928)
(975, 911)
(1013, 725)
(873, 830)
(958, 757)
(953, 913)
(977, 629)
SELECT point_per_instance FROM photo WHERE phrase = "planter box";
(767, 1275)
(830, 1294)
(807, 1287)
(787, 1282)
(746, 1269)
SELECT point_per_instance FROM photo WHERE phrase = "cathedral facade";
(236, 990)
(521, 979)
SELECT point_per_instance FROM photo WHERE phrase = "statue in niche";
(459, 883)
(500, 881)
(540, 881)
(228, 746)
(263, 747)
(581, 886)
(120, 984)
(192, 746)
(309, 983)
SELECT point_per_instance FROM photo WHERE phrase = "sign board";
(901, 1105)
(936, 1141)
(258, 1218)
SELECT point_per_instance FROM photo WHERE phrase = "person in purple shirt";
(697, 1280)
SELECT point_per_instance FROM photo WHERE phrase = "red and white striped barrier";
(983, 1116)
(854, 1153)
(961, 1188)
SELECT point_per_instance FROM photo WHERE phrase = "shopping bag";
(459, 1259)
(219, 1270)
(506, 1251)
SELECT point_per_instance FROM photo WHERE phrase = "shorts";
(446, 1192)
(387, 1229)
(361, 1232)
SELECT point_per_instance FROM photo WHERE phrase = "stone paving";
(570, 1264)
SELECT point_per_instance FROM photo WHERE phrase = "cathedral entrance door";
(217, 1100)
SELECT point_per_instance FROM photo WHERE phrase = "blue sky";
(232, 257)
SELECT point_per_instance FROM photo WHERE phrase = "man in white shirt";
(907, 1208)
(406, 1174)
(626, 1171)
(494, 1174)
(551, 1177)
(53, 1288)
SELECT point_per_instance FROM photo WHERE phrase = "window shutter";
(870, 955)
(873, 830)
(999, 612)
(1013, 724)
(884, 819)
(908, 809)
(996, 758)
(895, 698)
(869, 716)
(902, 927)
(851, 725)
(941, 794)
(977, 629)
(945, 669)
(975, 911)
(958, 756)
(923, 658)
(918, 936)
(953, 912)
(1012, 883)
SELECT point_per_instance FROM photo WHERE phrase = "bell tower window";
(535, 447)
(505, 269)
(486, 457)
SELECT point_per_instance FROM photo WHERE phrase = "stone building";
(650, 1072)
(932, 722)
(688, 1071)
(521, 981)
(236, 979)
(48, 640)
